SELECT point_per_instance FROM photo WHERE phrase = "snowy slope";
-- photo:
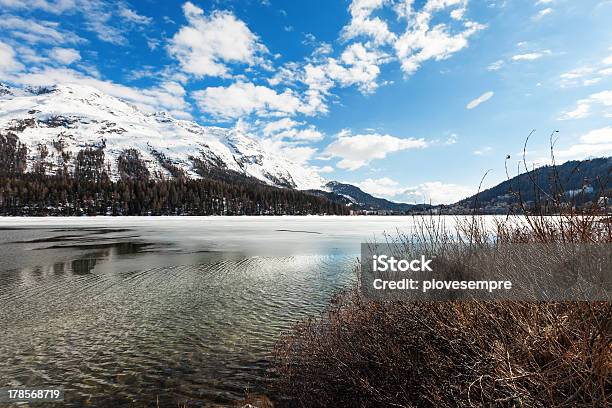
(81, 117)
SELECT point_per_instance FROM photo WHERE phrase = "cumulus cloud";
(371, 44)
(356, 151)
(481, 99)
(363, 24)
(421, 41)
(381, 187)
(243, 98)
(209, 43)
(65, 56)
(357, 66)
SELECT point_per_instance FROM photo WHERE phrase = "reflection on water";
(121, 319)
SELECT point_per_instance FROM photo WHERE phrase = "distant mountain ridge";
(365, 201)
(586, 178)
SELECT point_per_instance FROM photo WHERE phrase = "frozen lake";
(180, 309)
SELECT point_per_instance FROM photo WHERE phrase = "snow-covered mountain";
(65, 119)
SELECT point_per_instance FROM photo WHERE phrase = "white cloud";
(573, 77)
(37, 31)
(30, 56)
(494, 66)
(596, 143)
(482, 151)
(482, 98)
(65, 56)
(363, 24)
(243, 98)
(207, 44)
(582, 110)
(584, 106)
(543, 2)
(287, 128)
(57, 7)
(421, 43)
(605, 72)
(598, 136)
(286, 74)
(106, 19)
(452, 139)
(381, 187)
(530, 56)
(133, 17)
(99, 18)
(587, 75)
(434, 192)
(542, 13)
(8, 62)
(360, 62)
(357, 66)
(297, 154)
(584, 151)
(310, 134)
(356, 151)
(325, 169)
(604, 97)
(318, 87)
(592, 81)
(281, 124)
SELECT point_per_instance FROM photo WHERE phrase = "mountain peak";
(68, 118)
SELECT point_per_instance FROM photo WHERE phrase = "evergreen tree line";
(87, 189)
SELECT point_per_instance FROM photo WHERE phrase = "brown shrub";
(368, 353)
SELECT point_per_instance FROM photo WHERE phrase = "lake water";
(181, 310)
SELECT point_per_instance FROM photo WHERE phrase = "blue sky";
(413, 100)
